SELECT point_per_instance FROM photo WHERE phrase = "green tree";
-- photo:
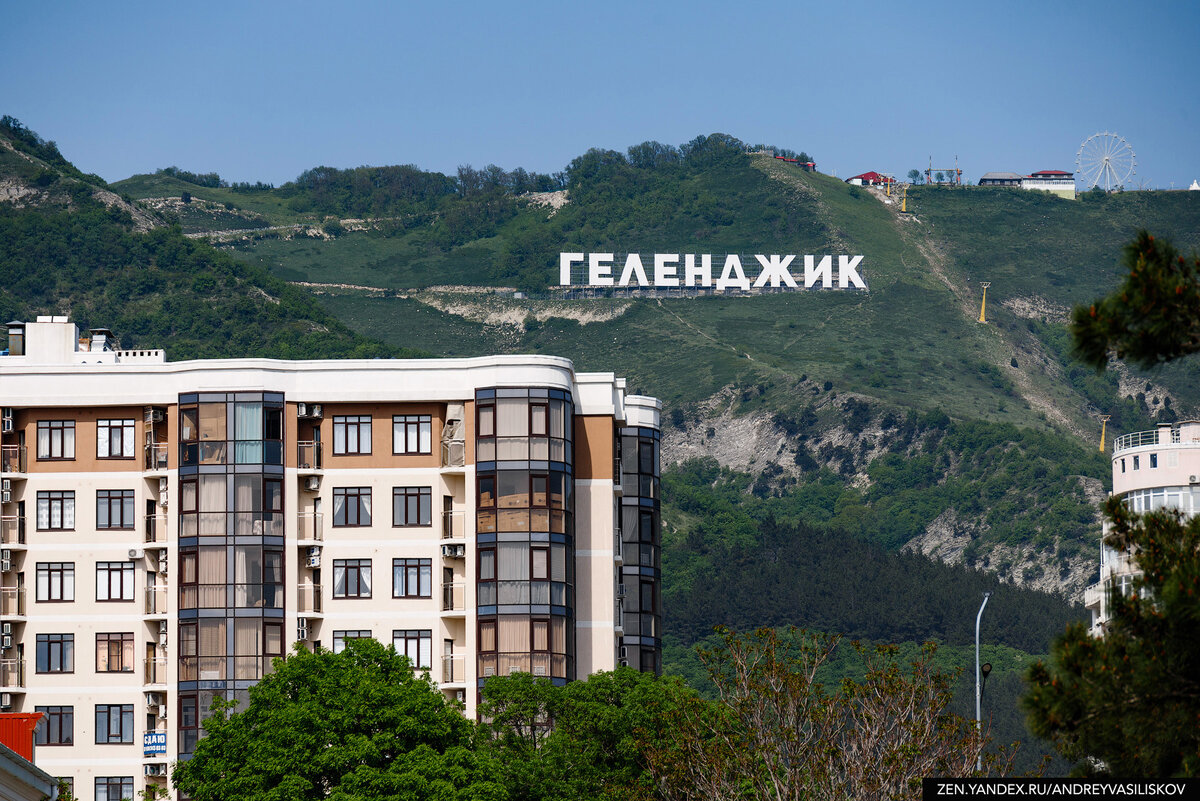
(1126, 704)
(914, 176)
(582, 741)
(354, 725)
(1153, 317)
(938, 176)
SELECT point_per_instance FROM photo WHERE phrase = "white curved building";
(1158, 469)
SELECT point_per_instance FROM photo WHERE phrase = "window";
(114, 788)
(352, 506)
(412, 433)
(56, 510)
(1153, 460)
(114, 653)
(417, 645)
(1137, 462)
(412, 578)
(340, 637)
(114, 581)
(351, 578)
(114, 439)
(56, 581)
(351, 434)
(412, 506)
(114, 724)
(114, 509)
(1122, 465)
(56, 439)
(58, 725)
(56, 653)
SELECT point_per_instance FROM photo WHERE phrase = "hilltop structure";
(171, 527)
(1152, 470)
(1056, 182)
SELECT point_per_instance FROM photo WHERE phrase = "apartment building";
(1152, 470)
(169, 528)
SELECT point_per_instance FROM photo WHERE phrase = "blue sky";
(265, 90)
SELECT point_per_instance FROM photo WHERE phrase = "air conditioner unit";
(162, 563)
(154, 699)
(155, 415)
(6, 642)
(6, 627)
(620, 590)
(489, 671)
(460, 696)
(314, 561)
(312, 483)
(162, 712)
(5, 565)
(302, 629)
(163, 485)
(460, 551)
(314, 551)
(447, 550)
(155, 769)
(7, 421)
(623, 662)
(316, 410)
(623, 652)
(7, 485)
(136, 553)
(1191, 480)
(302, 410)
(539, 670)
(162, 641)
(162, 628)
(5, 700)
(6, 496)
(162, 501)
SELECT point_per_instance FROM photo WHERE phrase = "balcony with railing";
(12, 459)
(310, 526)
(219, 668)
(12, 673)
(454, 669)
(154, 670)
(454, 525)
(308, 456)
(12, 529)
(156, 457)
(538, 664)
(12, 601)
(156, 528)
(157, 599)
(308, 600)
(454, 596)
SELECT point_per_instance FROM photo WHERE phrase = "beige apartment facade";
(1152, 470)
(169, 528)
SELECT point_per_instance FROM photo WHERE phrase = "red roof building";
(871, 178)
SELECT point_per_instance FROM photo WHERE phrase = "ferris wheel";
(1105, 160)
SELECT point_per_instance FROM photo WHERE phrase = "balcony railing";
(454, 525)
(618, 547)
(308, 455)
(245, 596)
(12, 529)
(12, 672)
(504, 664)
(12, 458)
(155, 670)
(454, 453)
(156, 457)
(454, 596)
(156, 528)
(311, 526)
(156, 600)
(217, 668)
(309, 599)
(1140, 439)
(12, 601)
(454, 669)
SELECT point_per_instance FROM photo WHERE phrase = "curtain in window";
(426, 579)
(512, 418)
(43, 513)
(487, 636)
(248, 428)
(425, 656)
(68, 512)
(127, 439)
(364, 580)
(514, 634)
(364, 504)
(102, 431)
(339, 580)
(43, 442)
(212, 505)
(426, 436)
(514, 561)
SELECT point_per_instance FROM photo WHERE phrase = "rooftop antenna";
(983, 306)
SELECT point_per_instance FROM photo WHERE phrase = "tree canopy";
(353, 726)
(1153, 317)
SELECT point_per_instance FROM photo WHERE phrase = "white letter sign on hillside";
(695, 271)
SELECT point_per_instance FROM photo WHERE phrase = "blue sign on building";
(154, 742)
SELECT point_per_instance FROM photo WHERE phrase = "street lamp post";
(978, 683)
